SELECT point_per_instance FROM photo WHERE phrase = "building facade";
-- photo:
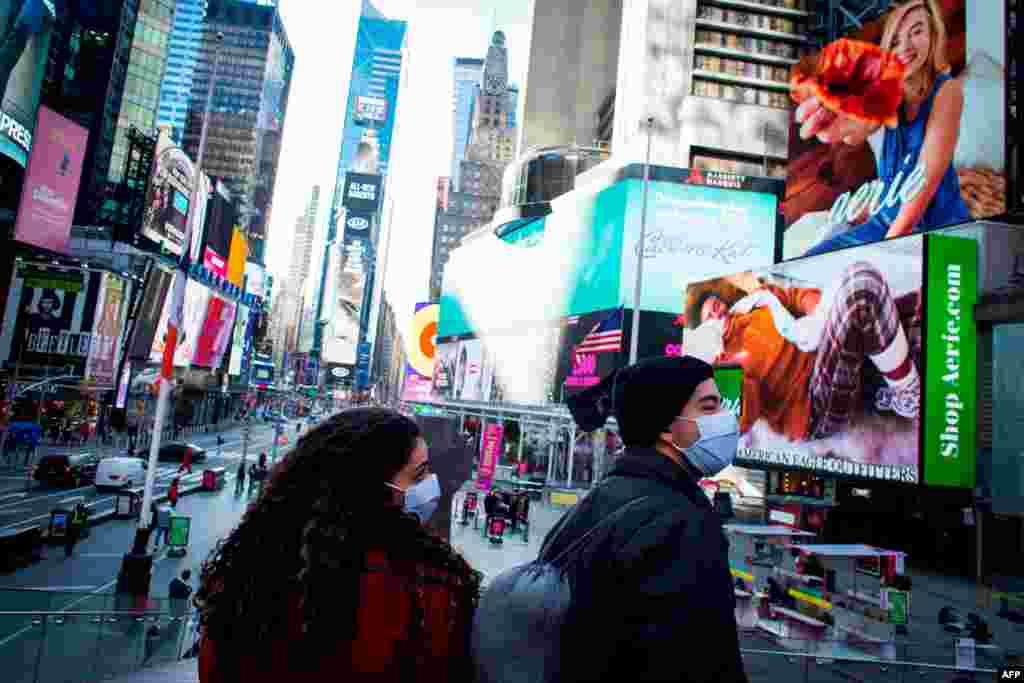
(147, 63)
(491, 143)
(467, 73)
(348, 286)
(182, 55)
(249, 106)
(714, 79)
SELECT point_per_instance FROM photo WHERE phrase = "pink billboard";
(215, 333)
(50, 191)
(490, 451)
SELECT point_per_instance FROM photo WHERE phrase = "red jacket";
(379, 652)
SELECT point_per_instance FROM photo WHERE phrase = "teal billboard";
(582, 257)
(25, 27)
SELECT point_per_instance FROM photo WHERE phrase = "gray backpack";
(517, 629)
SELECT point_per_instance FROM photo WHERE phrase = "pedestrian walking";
(240, 477)
(186, 461)
(651, 593)
(79, 518)
(173, 493)
(161, 524)
(345, 514)
(179, 591)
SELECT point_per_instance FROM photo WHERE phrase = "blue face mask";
(716, 448)
(422, 498)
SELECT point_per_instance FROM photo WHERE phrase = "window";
(738, 164)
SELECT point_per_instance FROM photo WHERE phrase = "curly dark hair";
(303, 544)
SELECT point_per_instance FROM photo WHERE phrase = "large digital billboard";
(147, 319)
(220, 223)
(238, 341)
(831, 356)
(582, 257)
(193, 315)
(166, 213)
(373, 96)
(215, 333)
(420, 352)
(828, 359)
(50, 192)
(54, 314)
(899, 129)
(104, 352)
(25, 30)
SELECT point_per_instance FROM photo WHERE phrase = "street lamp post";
(136, 567)
(634, 337)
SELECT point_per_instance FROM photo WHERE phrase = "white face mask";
(421, 498)
(716, 448)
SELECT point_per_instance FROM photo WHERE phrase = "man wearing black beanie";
(652, 594)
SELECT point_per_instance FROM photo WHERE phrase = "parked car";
(69, 471)
(120, 472)
(175, 452)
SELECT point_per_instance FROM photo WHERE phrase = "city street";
(97, 558)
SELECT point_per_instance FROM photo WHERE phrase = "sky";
(323, 38)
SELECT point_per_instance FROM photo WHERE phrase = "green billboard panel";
(950, 367)
(729, 379)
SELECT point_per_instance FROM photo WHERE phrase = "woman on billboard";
(917, 187)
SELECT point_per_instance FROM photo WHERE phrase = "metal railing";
(827, 661)
(58, 637)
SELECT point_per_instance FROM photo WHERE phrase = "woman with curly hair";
(331, 575)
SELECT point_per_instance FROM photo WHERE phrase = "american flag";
(606, 336)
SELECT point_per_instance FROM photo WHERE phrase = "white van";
(120, 472)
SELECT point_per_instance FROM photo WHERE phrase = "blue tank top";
(901, 152)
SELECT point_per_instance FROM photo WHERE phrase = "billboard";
(220, 223)
(101, 363)
(193, 315)
(831, 355)
(918, 147)
(238, 341)
(215, 333)
(582, 257)
(348, 273)
(238, 253)
(373, 96)
(25, 30)
(147, 319)
(53, 312)
(371, 111)
(255, 279)
(951, 348)
(48, 197)
(361, 192)
(420, 350)
(166, 213)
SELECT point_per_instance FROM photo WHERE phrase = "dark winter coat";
(652, 596)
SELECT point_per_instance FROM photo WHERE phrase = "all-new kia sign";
(356, 222)
(361, 192)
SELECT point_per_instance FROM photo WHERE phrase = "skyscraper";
(182, 55)
(467, 73)
(346, 292)
(716, 82)
(489, 146)
(146, 64)
(302, 244)
(250, 102)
